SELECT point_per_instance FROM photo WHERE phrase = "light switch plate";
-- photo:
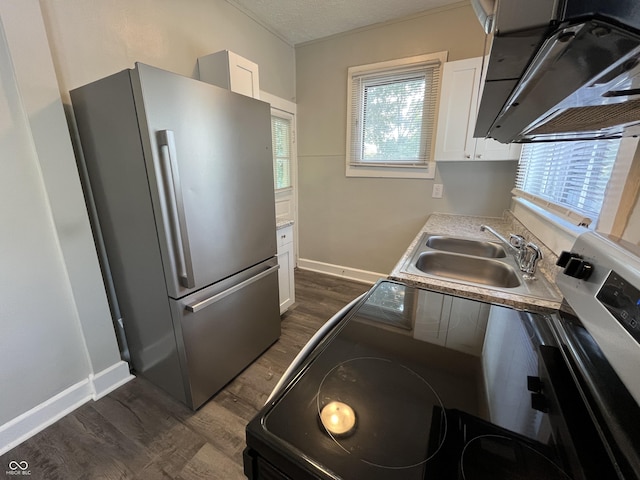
(437, 190)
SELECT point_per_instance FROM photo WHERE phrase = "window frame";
(427, 170)
(291, 119)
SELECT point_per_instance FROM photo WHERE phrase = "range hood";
(560, 70)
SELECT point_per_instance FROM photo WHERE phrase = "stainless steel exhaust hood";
(560, 70)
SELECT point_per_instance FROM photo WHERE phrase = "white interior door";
(283, 112)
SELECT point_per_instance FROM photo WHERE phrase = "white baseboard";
(340, 271)
(110, 378)
(24, 426)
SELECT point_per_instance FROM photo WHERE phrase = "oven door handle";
(287, 376)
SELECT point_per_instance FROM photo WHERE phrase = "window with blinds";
(392, 113)
(281, 140)
(571, 176)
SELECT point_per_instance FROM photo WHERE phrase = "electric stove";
(415, 384)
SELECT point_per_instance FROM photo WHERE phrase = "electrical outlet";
(437, 190)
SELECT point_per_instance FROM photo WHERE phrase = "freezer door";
(209, 161)
(220, 330)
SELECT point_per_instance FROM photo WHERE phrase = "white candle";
(338, 418)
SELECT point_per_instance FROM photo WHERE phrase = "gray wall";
(367, 223)
(91, 39)
(47, 268)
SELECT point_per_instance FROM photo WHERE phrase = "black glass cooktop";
(415, 385)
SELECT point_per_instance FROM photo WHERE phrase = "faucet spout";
(518, 247)
(510, 246)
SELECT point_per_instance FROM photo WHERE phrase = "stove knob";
(564, 258)
(534, 384)
(539, 402)
(578, 268)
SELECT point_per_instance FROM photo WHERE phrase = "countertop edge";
(469, 227)
(282, 223)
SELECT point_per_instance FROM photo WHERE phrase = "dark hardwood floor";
(139, 432)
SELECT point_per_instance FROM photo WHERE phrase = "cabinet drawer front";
(285, 235)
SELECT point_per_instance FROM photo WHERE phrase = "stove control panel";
(623, 302)
(607, 301)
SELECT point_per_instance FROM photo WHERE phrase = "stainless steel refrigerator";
(181, 175)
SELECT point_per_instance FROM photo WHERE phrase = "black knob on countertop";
(578, 268)
(534, 384)
(564, 258)
(539, 402)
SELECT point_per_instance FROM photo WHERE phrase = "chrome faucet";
(514, 247)
(531, 257)
(519, 243)
(526, 254)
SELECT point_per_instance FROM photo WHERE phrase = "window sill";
(555, 232)
(428, 172)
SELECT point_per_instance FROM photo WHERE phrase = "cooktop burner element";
(492, 457)
(388, 434)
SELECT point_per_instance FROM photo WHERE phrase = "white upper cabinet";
(231, 71)
(457, 117)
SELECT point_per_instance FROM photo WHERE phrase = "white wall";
(40, 324)
(57, 344)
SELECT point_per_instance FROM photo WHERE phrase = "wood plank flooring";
(139, 432)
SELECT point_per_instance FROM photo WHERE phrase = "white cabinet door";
(490, 149)
(432, 318)
(243, 76)
(456, 115)
(461, 82)
(455, 323)
(286, 260)
(231, 71)
(467, 326)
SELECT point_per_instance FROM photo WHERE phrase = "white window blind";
(571, 175)
(392, 115)
(281, 140)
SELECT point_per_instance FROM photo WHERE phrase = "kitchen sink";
(473, 262)
(467, 247)
(468, 269)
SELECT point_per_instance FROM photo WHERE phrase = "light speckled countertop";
(282, 222)
(469, 227)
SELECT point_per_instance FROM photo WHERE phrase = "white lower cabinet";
(467, 326)
(286, 260)
(455, 323)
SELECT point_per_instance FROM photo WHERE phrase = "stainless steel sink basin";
(468, 269)
(467, 247)
(470, 262)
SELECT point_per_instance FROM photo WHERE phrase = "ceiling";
(298, 21)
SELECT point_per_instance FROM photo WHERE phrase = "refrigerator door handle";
(175, 207)
(195, 307)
